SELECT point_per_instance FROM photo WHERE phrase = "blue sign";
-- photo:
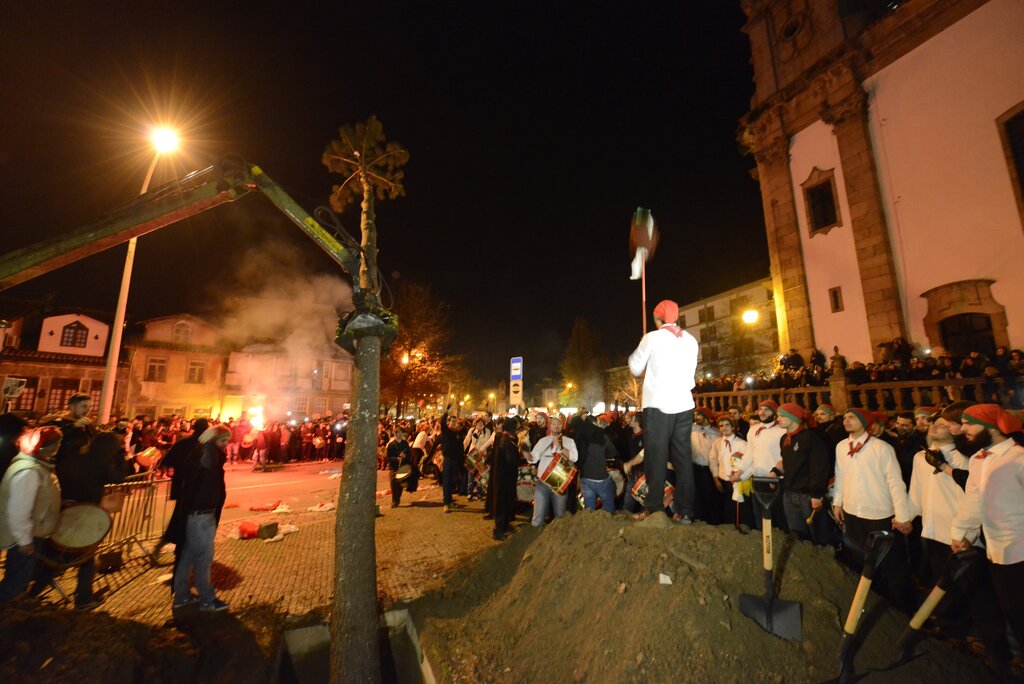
(516, 370)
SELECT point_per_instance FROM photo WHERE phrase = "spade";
(876, 549)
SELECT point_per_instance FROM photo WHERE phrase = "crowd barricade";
(138, 511)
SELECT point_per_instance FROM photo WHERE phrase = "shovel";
(955, 568)
(781, 618)
(877, 548)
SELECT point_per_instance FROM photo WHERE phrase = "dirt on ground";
(48, 643)
(584, 601)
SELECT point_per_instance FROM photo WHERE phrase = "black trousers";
(1008, 581)
(976, 594)
(707, 506)
(894, 573)
(733, 512)
(667, 436)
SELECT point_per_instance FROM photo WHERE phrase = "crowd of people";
(1003, 372)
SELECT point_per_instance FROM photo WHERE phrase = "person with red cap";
(993, 504)
(667, 358)
(764, 442)
(805, 462)
(29, 508)
(870, 496)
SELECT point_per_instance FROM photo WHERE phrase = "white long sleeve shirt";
(994, 502)
(701, 439)
(935, 496)
(421, 440)
(763, 442)
(24, 488)
(868, 483)
(729, 454)
(670, 363)
(544, 451)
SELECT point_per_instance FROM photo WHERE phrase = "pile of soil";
(581, 601)
(48, 643)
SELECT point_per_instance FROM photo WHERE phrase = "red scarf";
(673, 328)
(857, 447)
(765, 427)
(983, 454)
(789, 436)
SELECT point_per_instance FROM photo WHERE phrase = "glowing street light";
(568, 385)
(750, 316)
(164, 141)
(405, 359)
(491, 396)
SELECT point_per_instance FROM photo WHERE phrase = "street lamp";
(750, 316)
(164, 141)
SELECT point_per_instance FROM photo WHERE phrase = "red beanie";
(706, 412)
(35, 440)
(770, 404)
(924, 410)
(667, 310)
(795, 412)
(866, 418)
(992, 416)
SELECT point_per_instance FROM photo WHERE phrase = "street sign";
(515, 385)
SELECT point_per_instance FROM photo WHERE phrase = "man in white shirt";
(934, 495)
(29, 507)
(993, 503)
(668, 355)
(731, 463)
(548, 448)
(764, 441)
(870, 496)
(702, 436)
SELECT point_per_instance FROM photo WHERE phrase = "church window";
(835, 299)
(1011, 130)
(74, 335)
(821, 201)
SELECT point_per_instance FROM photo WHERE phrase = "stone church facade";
(889, 146)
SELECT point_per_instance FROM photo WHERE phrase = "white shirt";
(701, 439)
(994, 501)
(729, 454)
(934, 496)
(477, 441)
(544, 452)
(24, 487)
(421, 440)
(670, 363)
(869, 484)
(763, 441)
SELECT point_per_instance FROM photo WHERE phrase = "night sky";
(534, 130)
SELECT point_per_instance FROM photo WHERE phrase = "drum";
(319, 442)
(484, 479)
(472, 460)
(403, 472)
(526, 484)
(147, 458)
(80, 529)
(559, 474)
(619, 480)
(640, 489)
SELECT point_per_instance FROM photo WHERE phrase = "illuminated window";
(74, 335)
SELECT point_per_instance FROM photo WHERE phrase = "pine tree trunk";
(355, 653)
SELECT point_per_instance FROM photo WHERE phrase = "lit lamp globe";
(164, 140)
(750, 316)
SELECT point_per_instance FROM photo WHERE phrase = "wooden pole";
(643, 292)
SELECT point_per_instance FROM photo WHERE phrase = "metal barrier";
(141, 517)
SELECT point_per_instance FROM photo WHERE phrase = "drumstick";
(810, 518)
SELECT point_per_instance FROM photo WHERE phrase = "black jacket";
(451, 442)
(183, 455)
(805, 463)
(397, 454)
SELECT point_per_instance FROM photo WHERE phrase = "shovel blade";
(781, 618)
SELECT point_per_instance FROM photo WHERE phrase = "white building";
(889, 140)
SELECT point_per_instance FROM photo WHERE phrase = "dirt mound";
(585, 601)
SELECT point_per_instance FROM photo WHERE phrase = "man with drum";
(667, 357)
(398, 454)
(553, 446)
(29, 508)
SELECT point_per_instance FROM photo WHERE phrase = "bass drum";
(483, 480)
(80, 529)
(526, 484)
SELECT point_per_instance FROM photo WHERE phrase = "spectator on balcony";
(793, 360)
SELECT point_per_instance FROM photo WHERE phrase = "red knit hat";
(992, 416)
(34, 441)
(795, 412)
(866, 418)
(770, 404)
(924, 410)
(706, 413)
(667, 310)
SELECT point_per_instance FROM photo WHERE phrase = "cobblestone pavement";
(417, 547)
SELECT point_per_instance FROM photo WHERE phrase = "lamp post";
(164, 141)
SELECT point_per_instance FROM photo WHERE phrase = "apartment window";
(26, 401)
(739, 303)
(196, 373)
(319, 405)
(95, 393)
(181, 333)
(682, 320)
(74, 335)
(61, 390)
(300, 404)
(835, 299)
(709, 354)
(706, 315)
(709, 334)
(821, 201)
(342, 371)
(1011, 130)
(156, 370)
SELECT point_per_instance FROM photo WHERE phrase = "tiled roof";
(177, 346)
(36, 356)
